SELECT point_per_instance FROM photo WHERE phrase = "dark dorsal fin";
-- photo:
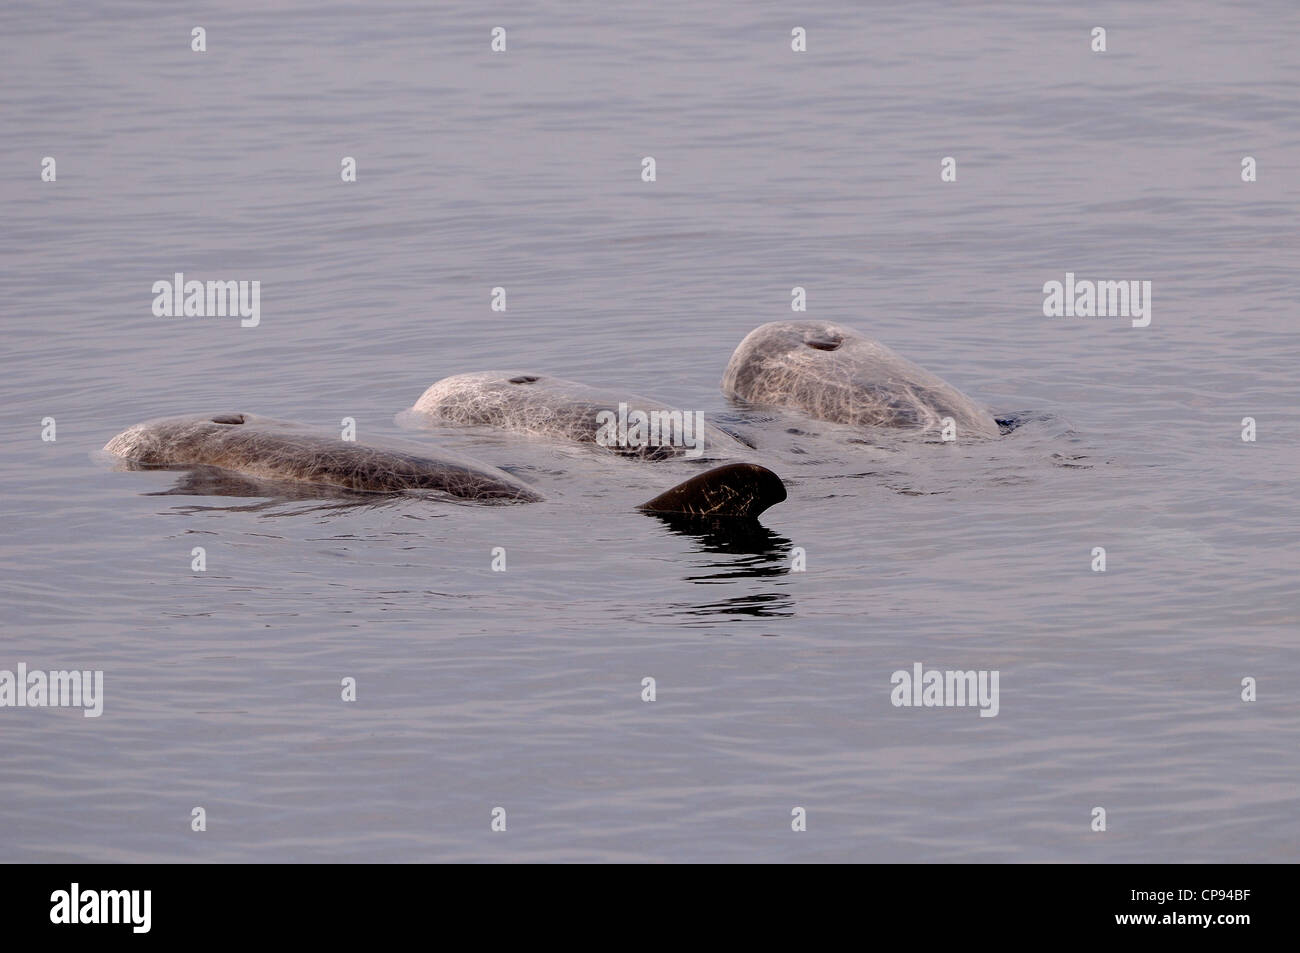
(738, 489)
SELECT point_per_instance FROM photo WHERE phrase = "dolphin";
(538, 405)
(832, 372)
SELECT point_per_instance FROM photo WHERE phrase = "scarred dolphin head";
(835, 373)
(541, 405)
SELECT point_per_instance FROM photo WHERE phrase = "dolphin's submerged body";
(284, 452)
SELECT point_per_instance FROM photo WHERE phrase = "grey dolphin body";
(278, 450)
(551, 407)
(268, 449)
(835, 373)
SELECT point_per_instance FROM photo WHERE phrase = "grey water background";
(522, 689)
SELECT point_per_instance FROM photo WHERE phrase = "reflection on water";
(764, 552)
(763, 605)
(736, 549)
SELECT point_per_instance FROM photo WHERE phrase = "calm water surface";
(522, 689)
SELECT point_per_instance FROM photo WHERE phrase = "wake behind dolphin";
(268, 449)
(834, 373)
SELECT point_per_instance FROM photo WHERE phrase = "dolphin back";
(550, 407)
(277, 450)
(832, 372)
